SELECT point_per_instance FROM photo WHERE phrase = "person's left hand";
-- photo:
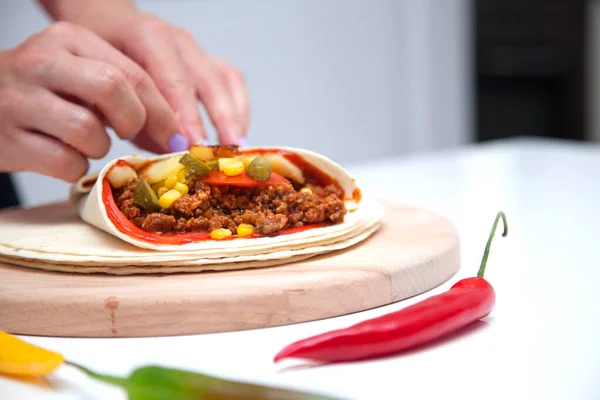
(184, 73)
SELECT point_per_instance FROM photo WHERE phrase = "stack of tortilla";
(78, 237)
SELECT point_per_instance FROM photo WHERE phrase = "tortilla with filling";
(211, 198)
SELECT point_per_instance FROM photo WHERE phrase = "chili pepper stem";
(489, 242)
(114, 380)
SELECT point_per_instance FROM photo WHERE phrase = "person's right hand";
(58, 91)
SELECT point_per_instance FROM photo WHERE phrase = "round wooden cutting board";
(413, 251)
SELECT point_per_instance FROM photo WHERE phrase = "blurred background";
(363, 79)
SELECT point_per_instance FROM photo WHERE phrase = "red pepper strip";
(467, 301)
(218, 178)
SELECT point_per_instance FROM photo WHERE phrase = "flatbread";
(53, 238)
(57, 231)
(242, 262)
(76, 236)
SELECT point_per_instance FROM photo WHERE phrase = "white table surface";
(542, 340)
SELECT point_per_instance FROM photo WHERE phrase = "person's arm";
(182, 70)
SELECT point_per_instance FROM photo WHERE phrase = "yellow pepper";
(224, 162)
(202, 153)
(234, 168)
(24, 359)
(306, 190)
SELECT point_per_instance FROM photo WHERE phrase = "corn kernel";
(234, 168)
(161, 191)
(245, 229)
(156, 187)
(223, 162)
(167, 199)
(171, 181)
(182, 188)
(248, 160)
(220, 233)
(306, 190)
(181, 175)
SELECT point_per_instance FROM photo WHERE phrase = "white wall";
(353, 79)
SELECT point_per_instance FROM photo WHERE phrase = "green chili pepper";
(158, 383)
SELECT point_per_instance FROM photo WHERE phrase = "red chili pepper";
(467, 301)
(218, 178)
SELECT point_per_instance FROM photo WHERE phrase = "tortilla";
(55, 234)
(198, 265)
(93, 209)
(80, 237)
(53, 238)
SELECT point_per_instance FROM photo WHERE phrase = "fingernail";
(207, 142)
(243, 142)
(177, 143)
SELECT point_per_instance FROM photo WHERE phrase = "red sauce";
(127, 227)
(121, 163)
(216, 178)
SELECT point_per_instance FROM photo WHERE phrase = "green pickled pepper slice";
(144, 196)
(213, 164)
(195, 165)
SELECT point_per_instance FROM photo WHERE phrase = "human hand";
(183, 72)
(60, 88)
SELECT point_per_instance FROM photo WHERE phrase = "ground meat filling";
(206, 208)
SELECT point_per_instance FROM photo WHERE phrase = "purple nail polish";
(243, 142)
(207, 142)
(177, 143)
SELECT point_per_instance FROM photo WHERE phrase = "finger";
(102, 85)
(161, 122)
(236, 83)
(71, 123)
(211, 89)
(161, 61)
(145, 142)
(172, 79)
(37, 152)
